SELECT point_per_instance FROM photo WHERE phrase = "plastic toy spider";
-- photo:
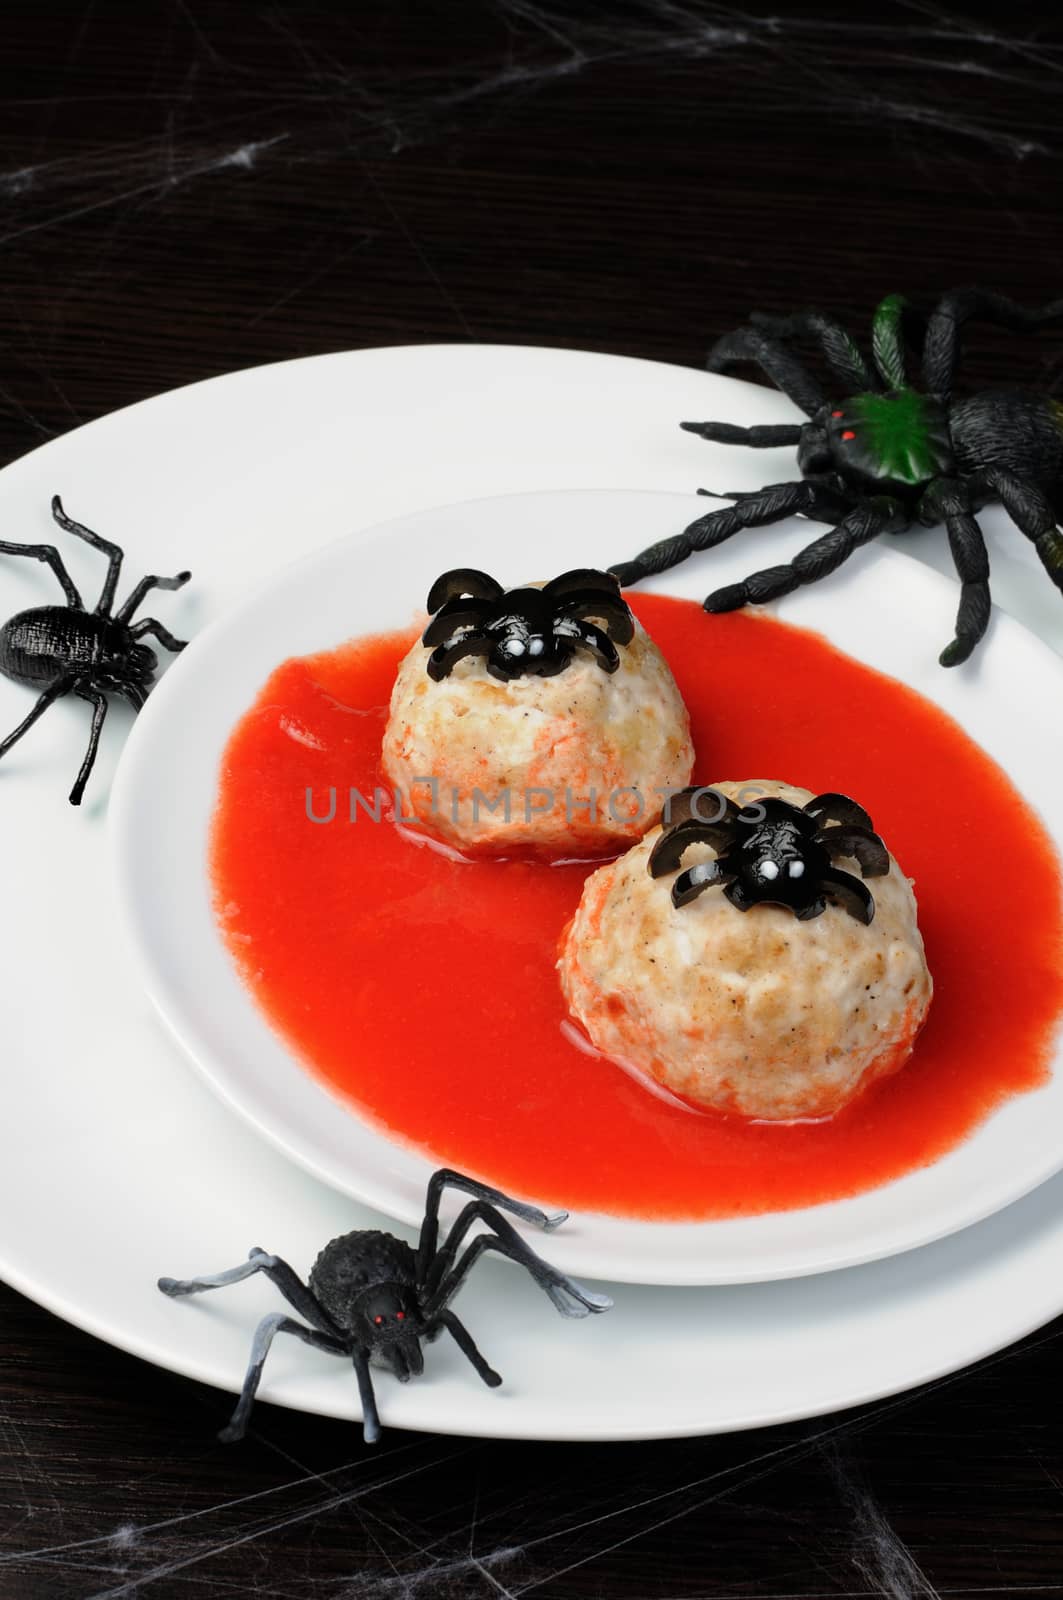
(772, 853)
(61, 650)
(889, 454)
(372, 1298)
(526, 631)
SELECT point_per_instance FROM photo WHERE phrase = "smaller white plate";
(166, 790)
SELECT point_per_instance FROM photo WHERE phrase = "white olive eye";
(768, 870)
(535, 648)
(796, 869)
(514, 647)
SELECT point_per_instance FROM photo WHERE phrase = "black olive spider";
(525, 631)
(772, 852)
(62, 650)
(889, 454)
(373, 1298)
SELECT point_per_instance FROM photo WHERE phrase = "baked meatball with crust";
(753, 1013)
(567, 765)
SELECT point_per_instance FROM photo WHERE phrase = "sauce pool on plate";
(423, 991)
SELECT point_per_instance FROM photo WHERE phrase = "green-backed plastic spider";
(889, 454)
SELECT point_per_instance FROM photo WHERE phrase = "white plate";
(116, 1163)
(167, 790)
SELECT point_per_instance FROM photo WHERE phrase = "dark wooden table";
(188, 187)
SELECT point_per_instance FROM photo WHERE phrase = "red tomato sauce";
(423, 990)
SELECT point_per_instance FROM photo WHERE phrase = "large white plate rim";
(166, 1167)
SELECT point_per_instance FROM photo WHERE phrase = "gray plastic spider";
(373, 1298)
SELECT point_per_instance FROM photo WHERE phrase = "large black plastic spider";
(525, 631)
(772, 853)
(889, 454)
(61, 650)
(373, 1298)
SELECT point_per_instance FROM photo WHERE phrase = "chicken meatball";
(754, 1013)
(576, 764)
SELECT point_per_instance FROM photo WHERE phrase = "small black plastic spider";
(61, 650)
(525, 631)
(889, 454)
(373, 1298)
(772, 853)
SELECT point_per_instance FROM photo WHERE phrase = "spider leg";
(613, 612)
(864, 523)
(770, 504)
(941, 346)
(667, 854)
(1032, 515)
(98, 700)
(447, 1178)
(689, 884)
(844, 356)
(452, 617)
(583, 580)
(590, 638)
(114, 553)
(570, 1298)
(370, 1414)
(467, 1345)
(828, 496)
(832, 501)
(832, 807)
(466, 642)
(764, 437)
(280, 1274)
(463, 582)
(772, 357)
(894, 317)
(135, 693)
(267, 1330)
(149, 625)
(852, 895)
(860, 843)
(951, 502)
(443, 1278)
(144, 587)
(51, 557)
(48, 698)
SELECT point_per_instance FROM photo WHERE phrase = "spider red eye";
(400, 1316)
(848, 434)
(378, 1321)
(837, 413)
